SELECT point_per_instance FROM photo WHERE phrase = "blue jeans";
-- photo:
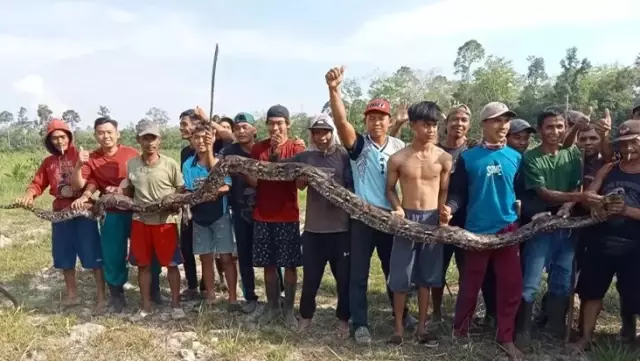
(555, 251)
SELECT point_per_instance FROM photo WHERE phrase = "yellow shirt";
(151, 183)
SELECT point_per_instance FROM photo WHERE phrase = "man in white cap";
(483, 183)
(326, 227)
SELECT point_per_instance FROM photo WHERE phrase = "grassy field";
(40, 331)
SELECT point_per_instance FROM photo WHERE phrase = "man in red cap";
(369, 153)
(77, 237)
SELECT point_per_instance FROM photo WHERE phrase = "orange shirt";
(276, 201)
(103, 171)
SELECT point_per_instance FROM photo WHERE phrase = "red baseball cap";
(378, 105)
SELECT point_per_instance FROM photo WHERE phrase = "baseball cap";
(146, 126)
(628, 130)
(243, 117)
(519, 125)
(495, 109)
(278, 111)
(320, 122)
(378, 105)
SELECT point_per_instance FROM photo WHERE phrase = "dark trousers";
(364, 240)
(488, 284)
(244, 244)
(189, 260)
(489, 292)
(317, 250)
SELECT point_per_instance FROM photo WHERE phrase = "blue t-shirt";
(194, 175)
(483, 182)
(369, 166)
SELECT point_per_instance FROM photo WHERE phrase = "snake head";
(616, 195)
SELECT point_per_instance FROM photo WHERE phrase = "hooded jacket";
(335, 140)
(56, 169)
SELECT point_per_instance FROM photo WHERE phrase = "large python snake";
(322, 180)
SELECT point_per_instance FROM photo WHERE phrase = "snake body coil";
(322, 181)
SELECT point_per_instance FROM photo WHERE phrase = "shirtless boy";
(423, 170)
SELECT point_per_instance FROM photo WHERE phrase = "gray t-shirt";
(320, 215)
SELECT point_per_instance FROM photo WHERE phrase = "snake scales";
(323, 182)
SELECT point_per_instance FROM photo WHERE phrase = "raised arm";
(399, 120)
(81, 171)
(603, 128)
(393, 174)
(346, 132)
(221, 132)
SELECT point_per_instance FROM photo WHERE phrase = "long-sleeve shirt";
(484, 184)
(55, 172)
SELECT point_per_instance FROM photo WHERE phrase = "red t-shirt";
(276, 201)
(103, 171)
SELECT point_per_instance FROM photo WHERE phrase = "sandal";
(428, 339)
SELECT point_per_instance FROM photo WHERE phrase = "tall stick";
(213, 81)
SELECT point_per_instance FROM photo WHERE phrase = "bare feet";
(580, 346)
(211, 300)
(342, 331)
(304, 324)
(70, 302)
(512, 351)
(396, 339)
(100, 308)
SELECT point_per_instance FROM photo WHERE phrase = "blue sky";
(132, 55)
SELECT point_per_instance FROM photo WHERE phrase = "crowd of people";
(491, 187)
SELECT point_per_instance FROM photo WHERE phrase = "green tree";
(496, 80)
(469, 54)
(23, 123)
(537, 91)
(568, 84)
(6, 118)
(44, 116)
(103, 111)
(72, 118)
(158, 116)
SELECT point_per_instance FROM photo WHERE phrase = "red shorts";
(160, 240)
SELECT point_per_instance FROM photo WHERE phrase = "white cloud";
(33, 87)
(120, 16)
(35, 41)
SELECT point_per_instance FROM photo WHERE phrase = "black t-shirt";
(242, 197)
(620, 234)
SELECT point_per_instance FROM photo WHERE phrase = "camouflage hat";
(628, 130)
(147, 126)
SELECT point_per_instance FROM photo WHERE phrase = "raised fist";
(334, 77)
(83, 156)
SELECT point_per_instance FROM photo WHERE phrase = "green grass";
(39, 330)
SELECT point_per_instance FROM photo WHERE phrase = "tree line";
(479, 78)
